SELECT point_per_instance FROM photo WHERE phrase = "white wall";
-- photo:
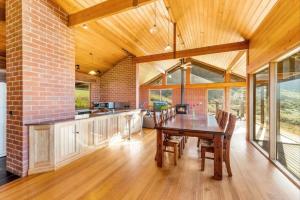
(2, 119)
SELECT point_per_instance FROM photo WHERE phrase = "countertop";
(51, 122)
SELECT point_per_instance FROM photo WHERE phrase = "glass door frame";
(272, 155)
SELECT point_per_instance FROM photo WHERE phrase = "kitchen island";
(54, 144)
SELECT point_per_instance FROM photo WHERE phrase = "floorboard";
(127, 170)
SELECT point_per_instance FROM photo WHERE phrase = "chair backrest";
(173, 109)
(224, 119)
(219, 116)
(164, 115)
(157, 118)
(229, 130)
(169, 113)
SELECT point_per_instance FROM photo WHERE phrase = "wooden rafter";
(178, 32)
(200, 85)
(195, 52)
(2, 14)
(174, 40)
(104, 9)
(235, 60)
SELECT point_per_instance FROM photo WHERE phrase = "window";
(238, 102)
(158, 81)
(235, 78)
(160, 95)
(174, 77)
(215, 99)
(261, 109)
(204, 74)
(82, 95)
(288, 114)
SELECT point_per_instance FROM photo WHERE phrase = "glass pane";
(215, 100)
(166, 95)
(174, 78)
(261, 109)
(154, 95)
(235, 78)
(82, 95)
(202, 74)
(156, 82)
(238, 102)
(288, 114)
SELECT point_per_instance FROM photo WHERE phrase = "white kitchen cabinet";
(54, 145)
(66, 141)
(100, 130)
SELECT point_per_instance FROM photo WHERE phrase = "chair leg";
(175, 154)
(198, 143)
(183, 143)
(180, 150)
(227, 162)
(202, 158)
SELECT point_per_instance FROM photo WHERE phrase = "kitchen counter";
(92, 115)
(56, 143)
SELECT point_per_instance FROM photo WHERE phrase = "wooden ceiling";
(200, 23)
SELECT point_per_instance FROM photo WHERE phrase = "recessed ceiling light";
(92, 72)
(85, 26)
(168, 48)
(153, 29)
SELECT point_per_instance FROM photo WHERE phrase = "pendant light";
(154, 28)
(168, 47)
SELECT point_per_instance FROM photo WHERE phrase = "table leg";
(218, 156)
(159, 150)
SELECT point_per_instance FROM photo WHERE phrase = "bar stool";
(128, 118)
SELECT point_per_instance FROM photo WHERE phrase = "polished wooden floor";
(126, 170)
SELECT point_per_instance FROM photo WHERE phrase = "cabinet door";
(100, 130)
(85, 138)
(41, 157)
(112, 126)
(66, 141)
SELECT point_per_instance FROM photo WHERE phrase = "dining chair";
(173, 142)
(224, 119)
(219, 116)
(226, 146)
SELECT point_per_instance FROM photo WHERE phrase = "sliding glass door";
(288, 114)
(261, 109)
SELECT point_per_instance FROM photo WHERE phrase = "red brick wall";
(120, 83)
(94, 84)
(40, 72)
(195, 97)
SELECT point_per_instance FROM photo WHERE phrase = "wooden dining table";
(200, 126)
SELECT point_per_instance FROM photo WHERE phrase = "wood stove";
(182, 108)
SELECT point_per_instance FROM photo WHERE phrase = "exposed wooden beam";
(2, 14)
(104, 9)
(235, 60)
(194, 52)
(170, 12)
(201, 85)
(174, 40)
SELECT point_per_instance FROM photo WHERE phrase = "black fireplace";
(182, 108)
